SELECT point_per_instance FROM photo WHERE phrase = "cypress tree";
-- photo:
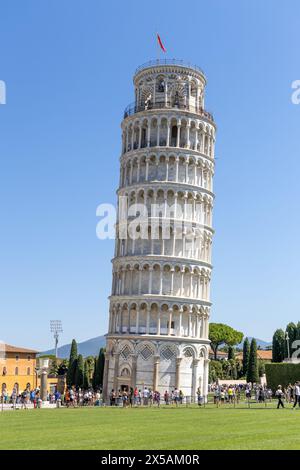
(94, 379)
(278, 347)
(98, 381)
(79, 374)
(246, 354)
(231, 354)
(291, 330)
(72, 364)
(252, 373)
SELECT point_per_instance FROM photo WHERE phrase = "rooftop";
(16, 349)
(162, 62)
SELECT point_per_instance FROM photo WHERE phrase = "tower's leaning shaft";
(160, 300)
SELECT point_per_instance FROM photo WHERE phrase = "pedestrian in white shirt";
(297, 395)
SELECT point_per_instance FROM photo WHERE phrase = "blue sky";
(68, 68)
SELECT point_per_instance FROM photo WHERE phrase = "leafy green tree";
(292, 332)
(79, 373)
(246, 354)
(278, 347)
(72, 364)
(298, 330)
(252, 373)
(223, 334)
(62, 367)
(215, 371)
(88, 371)
(53, 366)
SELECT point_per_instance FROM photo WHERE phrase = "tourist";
(112, 398)
(176, 396)
(24, 400)
(181, 396)
(279, 394)
(167, 397)
(136, 396)
(199, 396)
(297, 394)
(145, 396)
(156, 398)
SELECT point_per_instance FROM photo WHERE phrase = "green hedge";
(281, 374)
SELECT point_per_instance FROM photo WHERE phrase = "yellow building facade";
(17, 368)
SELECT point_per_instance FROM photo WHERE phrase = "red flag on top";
(160, 43)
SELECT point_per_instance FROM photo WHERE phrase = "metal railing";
(134, 108)
(180, 62)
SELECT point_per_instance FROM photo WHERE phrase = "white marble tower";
(160, 300)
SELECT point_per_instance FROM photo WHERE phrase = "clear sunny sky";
(68, 67)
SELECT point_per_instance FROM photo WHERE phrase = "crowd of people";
(71, 397)
(148, 397)
(234, 393)
(134, 397)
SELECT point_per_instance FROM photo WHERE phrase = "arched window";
(4, 372)
(17, 371)
(125, 372)
(28, 370)
(16, 387)
(160, 85)
(17, 358)
(174, 136)
(28, 358)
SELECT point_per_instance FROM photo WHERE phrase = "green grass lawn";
(151, 428)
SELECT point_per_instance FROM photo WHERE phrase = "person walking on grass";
(279, 394)
(297, 394)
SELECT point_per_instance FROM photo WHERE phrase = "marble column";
(116, 371)
(105, 377)
(177, 376)
(156, 372)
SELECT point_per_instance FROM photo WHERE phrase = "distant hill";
(260, 343)
(89, 347)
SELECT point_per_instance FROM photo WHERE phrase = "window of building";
(17, 371)
(28, 370)
(28, 358)
(17, 358)
(4, 372)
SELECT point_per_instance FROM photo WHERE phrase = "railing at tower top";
(134, 108)
(182, 63)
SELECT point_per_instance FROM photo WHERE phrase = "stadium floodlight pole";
(287, 343)
(56, 328)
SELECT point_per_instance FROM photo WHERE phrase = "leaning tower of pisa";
(160, 300)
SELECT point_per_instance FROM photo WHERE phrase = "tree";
(252, 373)
(223, 334)
(246, 354)
(63, 367)
(231, 354)
(79, 373)
(88, 371)
(291, 331)
(99, 370)
(278, 346)
(72, 364)
(94, 378)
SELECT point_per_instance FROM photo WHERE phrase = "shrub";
(281, 374)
